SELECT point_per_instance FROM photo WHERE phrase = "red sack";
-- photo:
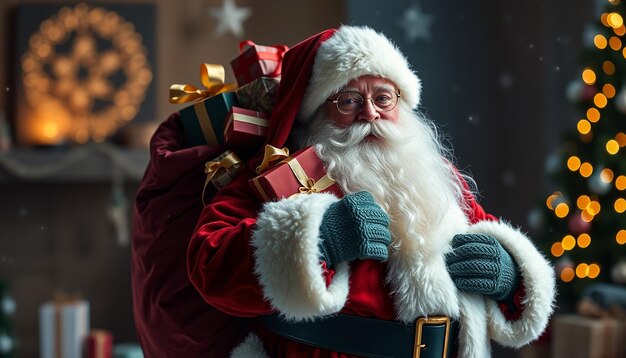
(171, 318)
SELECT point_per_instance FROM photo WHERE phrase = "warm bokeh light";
(620, 205)
(582, 202)
(593, 115)
(561, 210)
(550, 200)
(589, 77)
(615, 20)
(620, 182)
(568, 242)
(615, 43)
(573, 162)
(583, 126)
(594, 207)
(594, 271)
(600, 100)
(582, 270)
(621, 139)
(606, 175)
(600, 41)
(584, 240)
(567, 275)
(608, 67)
(608, 90)
(557, 249)
(603, 19)
(620, 237)
(586, 169)
(612, 147)
(620, 31)
(586, 216)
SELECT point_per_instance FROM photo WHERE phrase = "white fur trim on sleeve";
(539, 282)
(287, 258)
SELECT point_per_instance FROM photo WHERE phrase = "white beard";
(406, 170)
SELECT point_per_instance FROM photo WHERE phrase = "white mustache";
(357, 132)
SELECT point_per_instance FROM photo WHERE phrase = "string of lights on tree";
(584, 224)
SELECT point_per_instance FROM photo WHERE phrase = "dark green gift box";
(203, 122)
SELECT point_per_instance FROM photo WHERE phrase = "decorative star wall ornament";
(416, 23)
(230, 18)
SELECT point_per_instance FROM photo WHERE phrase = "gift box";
(99, 344)
(220, 171)
(245, 128)
(64, 326)
(203, 122)
(257, 61)
(580, 336)
(301, 173)
(258, 95)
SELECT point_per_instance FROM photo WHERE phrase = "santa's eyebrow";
(385, 87)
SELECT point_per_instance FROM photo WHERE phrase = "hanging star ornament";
(230, 18)
(416, 23)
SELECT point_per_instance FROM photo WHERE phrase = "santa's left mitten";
(479, 264)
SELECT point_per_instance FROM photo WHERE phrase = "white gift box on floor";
(63, 328)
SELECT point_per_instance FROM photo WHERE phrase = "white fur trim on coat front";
(351, 52)
(288, 258)
(251, 347)
(539, 281)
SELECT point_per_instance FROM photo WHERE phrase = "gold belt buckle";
(430, 321)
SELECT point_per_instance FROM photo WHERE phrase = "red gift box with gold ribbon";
(245, 128)
(300, 173)
(99, 344)
(256, 61)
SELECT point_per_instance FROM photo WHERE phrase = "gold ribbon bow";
(213, 167)
(271, 155)
(212, 78)
(309, 185)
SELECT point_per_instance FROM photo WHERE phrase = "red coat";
(222, 266)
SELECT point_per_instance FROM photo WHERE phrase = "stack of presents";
(65, 332)
(232, 117)
(236, 117)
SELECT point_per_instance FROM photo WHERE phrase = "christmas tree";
(7, 335)
(582, 222)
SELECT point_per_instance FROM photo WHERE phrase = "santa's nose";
(369, 112)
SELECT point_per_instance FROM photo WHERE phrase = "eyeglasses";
(352, 102)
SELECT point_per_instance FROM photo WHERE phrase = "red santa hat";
(321, 65)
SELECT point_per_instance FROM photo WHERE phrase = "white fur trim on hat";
(352, 52)
(288, 258)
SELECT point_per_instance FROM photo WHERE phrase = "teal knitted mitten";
(479, 264)
(353, 228)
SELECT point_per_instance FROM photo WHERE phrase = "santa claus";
(405, 263)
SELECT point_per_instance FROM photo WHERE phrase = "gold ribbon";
(258, 121)
(271, 155)
(213, 167)
(212, 78)
(60, 299)
(309, 185)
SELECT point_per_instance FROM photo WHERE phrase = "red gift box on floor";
(245, 128)
(257, 61)
(303, 172)
(100, 344)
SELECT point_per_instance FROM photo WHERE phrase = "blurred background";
(84, 86)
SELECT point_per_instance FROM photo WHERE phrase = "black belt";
(370, 337)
